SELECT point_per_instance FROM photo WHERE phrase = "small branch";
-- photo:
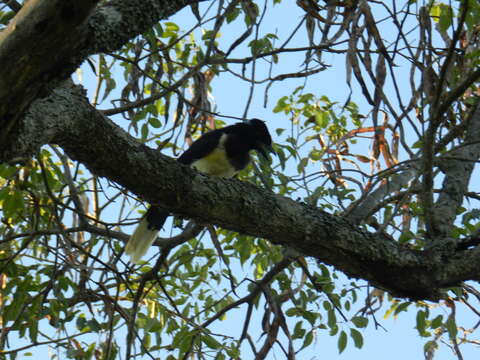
(277, 268)
(13, 5)
(38, 343)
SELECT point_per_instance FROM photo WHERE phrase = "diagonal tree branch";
(13, 5)
(66, 118)
(43, 38)
(458, 166)
(91, 138)
(50, 39)
(364, 206)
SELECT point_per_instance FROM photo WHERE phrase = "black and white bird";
(222, 152)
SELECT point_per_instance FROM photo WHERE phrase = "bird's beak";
(265, 150)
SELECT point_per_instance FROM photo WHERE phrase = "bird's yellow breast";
(215, 164)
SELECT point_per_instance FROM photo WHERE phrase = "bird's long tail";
(145, 233)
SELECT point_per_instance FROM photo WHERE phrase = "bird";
(222, 152)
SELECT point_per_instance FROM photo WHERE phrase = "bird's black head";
(261, 136)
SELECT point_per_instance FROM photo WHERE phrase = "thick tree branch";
(67, 119)
(114, 23)
(50, 38)
(43, 37)
(89, 137)
(364, 206)
(458, 166)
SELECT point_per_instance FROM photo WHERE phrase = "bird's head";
(261, 137)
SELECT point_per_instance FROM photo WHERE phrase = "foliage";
(413, 73)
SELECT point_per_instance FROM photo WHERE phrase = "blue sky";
(399, 340)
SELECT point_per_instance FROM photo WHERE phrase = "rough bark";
(64, 117)
(363, 207)
(91, 138)
(50, 39)
(457, 166)
(42, 37)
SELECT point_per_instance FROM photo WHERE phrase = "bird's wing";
(201, 147)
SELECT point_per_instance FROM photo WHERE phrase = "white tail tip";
(140, 241)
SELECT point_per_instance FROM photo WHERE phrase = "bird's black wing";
(201, 147)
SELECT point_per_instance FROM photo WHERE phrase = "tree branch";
(89, 137)
(458, 166)
(43, 37)
(365, 205)
(51, 38)
(67, 119)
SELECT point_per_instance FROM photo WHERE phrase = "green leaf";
(430, 346)
(446, 19)
(298, 331)
(291, 312)
(281, 105)
(332, 319)
(302, 164)
(443, 15)
(417, 144)
(451, 327)
(11, 202)
(422, 323)
(94, 325)
(437, 322)
(6, 17)
(171, 27)
(232, 14)
(342, 341)
(220, 356)
(33, 330)
(308, 340)
(154, 122)
(256, 46)
(144, 132)
(6, 171)
(210, 35)
(322, 119)
(233, 352)
(211, 342)
(360, 321)
(402, 307)
(185, 342)
(147, 339)
(12, 311)
(81, 322)
(357, 338)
